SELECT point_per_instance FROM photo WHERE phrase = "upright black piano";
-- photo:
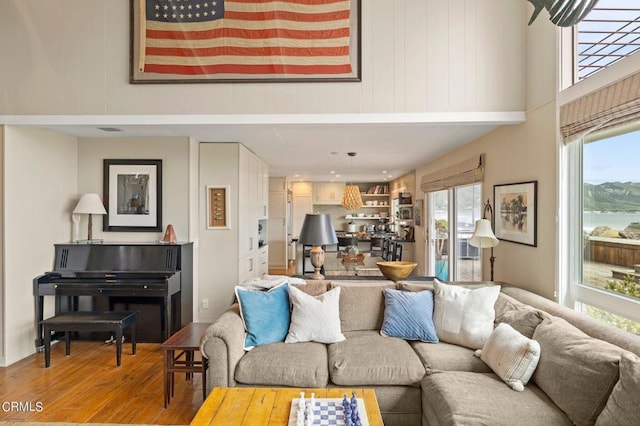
(153, 278)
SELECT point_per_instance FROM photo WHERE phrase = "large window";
(609, 32)
(604, 222)
(452, 215)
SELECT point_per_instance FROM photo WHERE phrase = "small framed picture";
(516, 212)
(417, 213)
(133, 194)
(218, 207)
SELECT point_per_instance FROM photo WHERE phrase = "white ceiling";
(305, 147)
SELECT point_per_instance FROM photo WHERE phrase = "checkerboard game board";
(327, 411)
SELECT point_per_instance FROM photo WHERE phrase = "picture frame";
(170, 47)
(516, 212)
(417, 213)
(133, 195)
(218, 207)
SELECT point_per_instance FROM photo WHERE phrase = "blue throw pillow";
(409, 315)
(265, 315)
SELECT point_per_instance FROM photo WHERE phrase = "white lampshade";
(90, 204)
(483, 236)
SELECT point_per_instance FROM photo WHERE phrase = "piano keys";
(154, 278)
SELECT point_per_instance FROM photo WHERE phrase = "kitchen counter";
(367, 237)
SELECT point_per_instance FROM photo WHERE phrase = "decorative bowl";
(396, 270)
(360, 215)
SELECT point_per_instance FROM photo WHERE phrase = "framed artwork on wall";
(218, 207)
(133, 195)
(417, 214)
(232, 41)
(516, 212)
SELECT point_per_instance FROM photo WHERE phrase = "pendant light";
(351, 200)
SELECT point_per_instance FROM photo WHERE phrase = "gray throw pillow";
(623, 407)
(575, 370)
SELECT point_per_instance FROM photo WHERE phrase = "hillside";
(612, 197)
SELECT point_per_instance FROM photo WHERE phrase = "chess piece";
(170, 235)
(301, 411)
(308, 416)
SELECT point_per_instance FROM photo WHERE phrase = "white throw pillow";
(512, 356)
(314, 318)
(464, 316)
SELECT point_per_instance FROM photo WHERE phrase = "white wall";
(175, 156)
(524, 152)
(72, 57)
(40, 191)
(516, 154)
(218, 247)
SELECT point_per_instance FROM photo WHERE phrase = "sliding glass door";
(452, 216)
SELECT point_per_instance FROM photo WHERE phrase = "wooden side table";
(113, 321)
(179, 351)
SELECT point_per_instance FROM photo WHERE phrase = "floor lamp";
(317, 230)
(483, 236)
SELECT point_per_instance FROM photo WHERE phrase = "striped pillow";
(512, 356)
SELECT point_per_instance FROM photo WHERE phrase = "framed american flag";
(207, 41)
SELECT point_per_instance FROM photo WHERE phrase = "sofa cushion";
(448, 357)
(524, 319)
(265, 314)
(367, 358)
(512, 356)
(280, 364)
(312, 287)
(463, 398)
(576, 371)
(464, 316)
(362, 307)
(408, 315)
(314, 318)
(622, 408)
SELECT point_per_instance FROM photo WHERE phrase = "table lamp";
(317, 230)
(483, 236)
(90, 204)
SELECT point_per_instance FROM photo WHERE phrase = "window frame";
(573, 292)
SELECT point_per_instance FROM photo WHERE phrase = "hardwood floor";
(87, 387)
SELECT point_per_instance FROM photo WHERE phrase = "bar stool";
(397, 252)
(387, 248)
(376, 245)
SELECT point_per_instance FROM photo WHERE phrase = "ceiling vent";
(109, 129)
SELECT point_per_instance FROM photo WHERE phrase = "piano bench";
(113, 321)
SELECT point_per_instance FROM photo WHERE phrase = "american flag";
(245, 37)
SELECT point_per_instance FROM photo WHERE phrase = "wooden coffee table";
(270, 406)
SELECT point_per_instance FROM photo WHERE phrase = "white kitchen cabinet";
(262, 199)
(278, 241)
(328, 192)
(302, 188)
(263, 261)
(302, 204)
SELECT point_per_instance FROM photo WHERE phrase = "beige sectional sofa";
(419, 383)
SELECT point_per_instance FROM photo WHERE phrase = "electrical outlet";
(205, 303)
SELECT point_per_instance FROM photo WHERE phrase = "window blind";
(463, 173)
(612, 105)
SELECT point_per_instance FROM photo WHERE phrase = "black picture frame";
(132, 194)
(516, 212)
